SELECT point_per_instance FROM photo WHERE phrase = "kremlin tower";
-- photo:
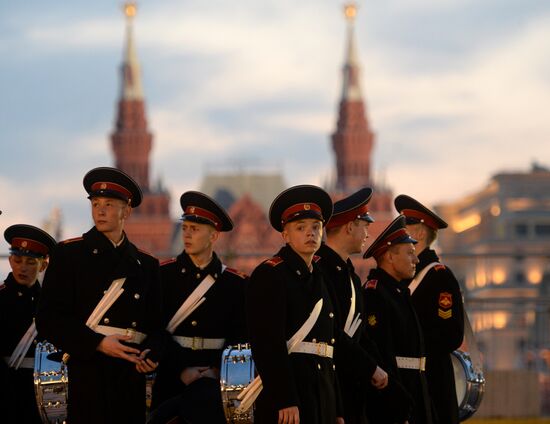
(150, 226)
(353, 140)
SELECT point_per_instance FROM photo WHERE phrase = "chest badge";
(372, 320)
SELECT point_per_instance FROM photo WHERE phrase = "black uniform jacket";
(438, 304)
(394, 327)
(355, 363)
(101, 388)
(220, 316)
(17, 309)
(280, 297)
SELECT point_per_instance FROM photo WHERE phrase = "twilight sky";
(456, 91)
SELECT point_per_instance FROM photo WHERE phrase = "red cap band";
(203, 213)
(345, 217)
(299, 208)
(425, 219)
(112, 187)
(387, 242)
(30, 245)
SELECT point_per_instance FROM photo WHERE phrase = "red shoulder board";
(316, 258)
(371, 284)
(236, 272)
(439, 267)
(71, 240)
(274, 261)
(168, 261)
(145, 252)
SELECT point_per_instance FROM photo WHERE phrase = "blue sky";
(456, 91)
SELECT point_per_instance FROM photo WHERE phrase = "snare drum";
(50, 383)
(469, 384)
(237, 371)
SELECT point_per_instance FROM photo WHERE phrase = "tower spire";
(353, 140)
(131, 77)
(351, 87)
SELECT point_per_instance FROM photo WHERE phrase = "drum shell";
(236, 372)
(470, 385)
(50, 383)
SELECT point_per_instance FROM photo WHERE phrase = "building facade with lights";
(498, 244)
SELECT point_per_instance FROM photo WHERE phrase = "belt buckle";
(322, 349)
(197, 343)
(132, 333)
(422, 363)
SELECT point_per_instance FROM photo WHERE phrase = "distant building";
(150, 226)
(498, 243)
(227, 188)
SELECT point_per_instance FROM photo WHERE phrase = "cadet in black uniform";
(107, 362)
(29, 250)
(300, 386)
(190, 369)
(346, 235)
(438, 303)
(391, 320)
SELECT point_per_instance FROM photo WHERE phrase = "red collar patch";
(274, 261)
(371, 284)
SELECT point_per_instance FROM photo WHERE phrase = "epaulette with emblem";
(168, 261)
(72, 240)
(274, 261)
(236, 272)
(371, 284)
(316, 258)
(439, 267)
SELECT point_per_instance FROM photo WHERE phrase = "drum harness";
(195, 299)
(471, 344)
(17, 359)
(294, 344)
(352, 324)
(406, 362)
(110, 296)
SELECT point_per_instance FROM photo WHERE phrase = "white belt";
(320, 349)
(411, 363)
(136, 336)
(199, 343)
(25, 363)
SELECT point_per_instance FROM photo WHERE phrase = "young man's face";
(25, 269)
(403, 260)
(359, 233)
(198, 239)
(109, 214)
(304, 235)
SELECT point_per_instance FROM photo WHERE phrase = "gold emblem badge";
(372, 320)
(103, 186)
(445, 300)
(192, 209)
(307, 206)
(24, 244)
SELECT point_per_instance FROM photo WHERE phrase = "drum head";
(460, 379)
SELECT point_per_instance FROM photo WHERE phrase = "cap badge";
(103, 186)
(24, 244)
(307, 206)
(192, 209)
